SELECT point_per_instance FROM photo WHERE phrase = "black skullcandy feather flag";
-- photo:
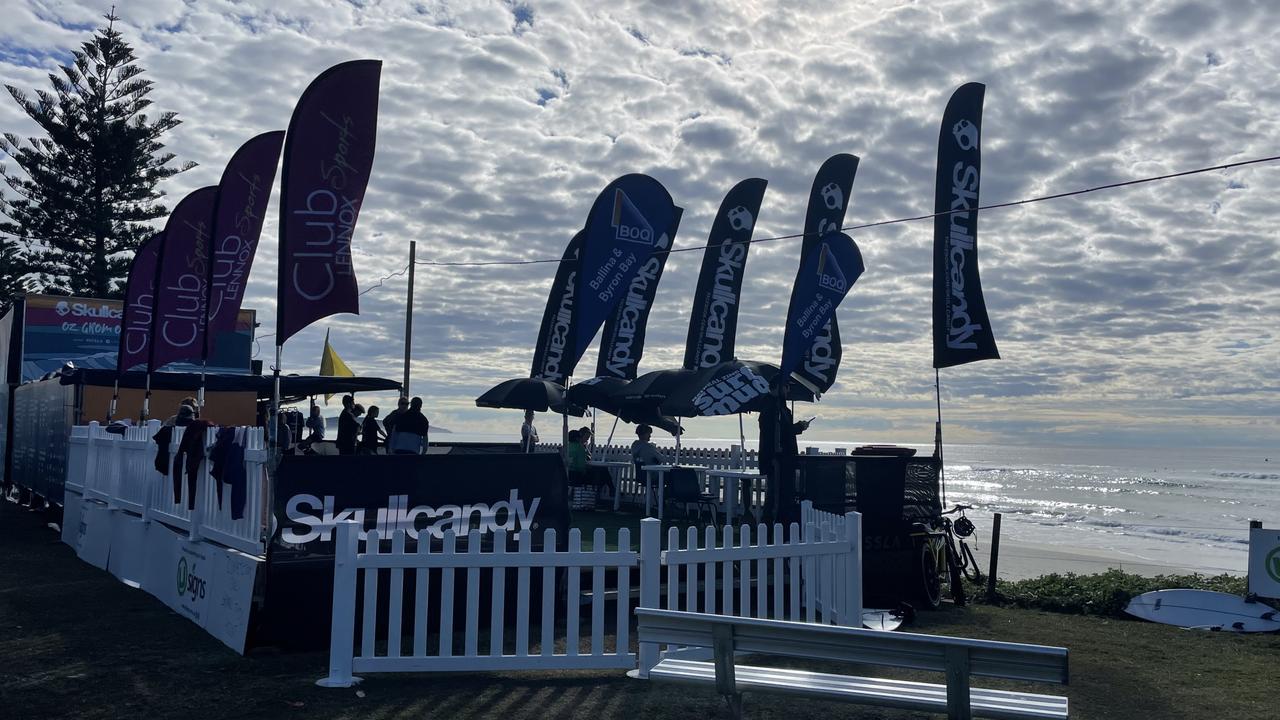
(828, 201)
(622, 340)
(713, 324)
(553, 357)
(961, 330)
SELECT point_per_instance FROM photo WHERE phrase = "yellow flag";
(331, 365)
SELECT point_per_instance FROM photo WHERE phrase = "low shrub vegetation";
(1104, 594)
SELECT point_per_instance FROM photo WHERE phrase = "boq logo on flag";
(628, 223)
(829, 274)
(822, 282)
(620, 236)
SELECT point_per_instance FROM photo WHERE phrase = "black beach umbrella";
(528, 394)
(728, 388)
(603, 393)
(652, 388)
(597, 392)
(647, 392)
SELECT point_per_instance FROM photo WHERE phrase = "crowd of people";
(404, 431)
(778, 456)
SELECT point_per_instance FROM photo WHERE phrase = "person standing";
(348, 427)
(778, 453)
(371, 434)
(576, 459)
(528, 433)
(412, 430)
(389, 422)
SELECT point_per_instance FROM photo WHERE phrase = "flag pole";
(937, 435)
(408, 319)
(115, 397)
(272, 422)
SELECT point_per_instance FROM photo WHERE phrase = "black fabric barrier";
(423, 494)
(898, 499)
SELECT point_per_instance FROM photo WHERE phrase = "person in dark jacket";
(778, 452)
(348, 427)
(389, 422)
(371, 434)
(412, 430)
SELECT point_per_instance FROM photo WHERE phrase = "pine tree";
(87, 192)
(14, 272)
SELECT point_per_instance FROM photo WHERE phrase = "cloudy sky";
(1142, 316)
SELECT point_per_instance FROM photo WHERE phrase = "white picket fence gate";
(119, 471)
(814, 575)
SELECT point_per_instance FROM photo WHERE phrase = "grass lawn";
(76, 643)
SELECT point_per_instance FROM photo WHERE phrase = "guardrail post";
(650, 577)
(343, 626)
(957, 659)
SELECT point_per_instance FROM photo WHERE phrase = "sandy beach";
(1020, 560)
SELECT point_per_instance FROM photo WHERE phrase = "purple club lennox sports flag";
(237, 224)
(139, 302)
(178, 322)
(328, 154)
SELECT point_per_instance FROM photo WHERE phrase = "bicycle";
(961, 562)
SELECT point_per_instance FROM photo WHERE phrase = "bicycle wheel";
(929, 589)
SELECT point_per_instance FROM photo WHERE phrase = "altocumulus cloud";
(1119, 315)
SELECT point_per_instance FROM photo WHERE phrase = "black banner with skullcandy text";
(553, 356)
(622, 339)
(328, 155)
(961, 330)
(828, 201)
(713, 324)
(420, 494)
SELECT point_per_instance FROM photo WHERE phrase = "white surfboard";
(1204, 610)
(882, 619)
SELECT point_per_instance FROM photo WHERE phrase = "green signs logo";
(188, 582)
(1272, 564)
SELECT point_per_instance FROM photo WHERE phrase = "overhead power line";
(896, 221)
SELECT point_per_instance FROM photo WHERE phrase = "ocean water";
(1162, 510)
(1181, 509)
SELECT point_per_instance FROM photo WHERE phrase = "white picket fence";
(631, 485)
(813, 576)
(119, 470)
(734, 458)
